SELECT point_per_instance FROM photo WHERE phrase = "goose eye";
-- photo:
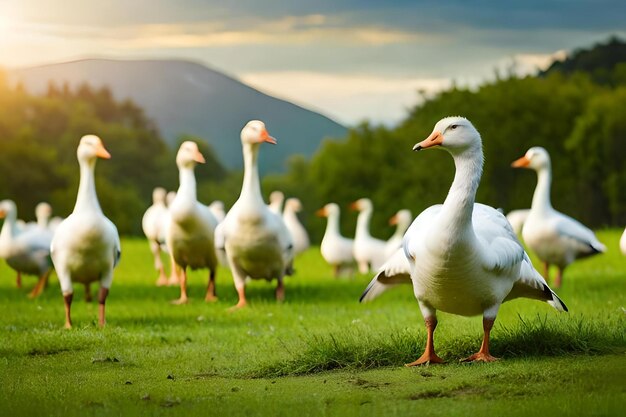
(454, 127)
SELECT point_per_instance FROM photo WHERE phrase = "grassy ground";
(319, 353)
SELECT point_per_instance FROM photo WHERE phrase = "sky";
(351, 60)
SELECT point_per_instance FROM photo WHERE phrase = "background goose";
(276, 202)
(26, 250)
(555, 238)
(190, 234)
(465, 258)
(257, 242)
(86, 245)
(402, 220)
(369, 252)
(622, 242)
(336, 249)
(517, 219)
(298, 233)
(217, 209)
(153, 223)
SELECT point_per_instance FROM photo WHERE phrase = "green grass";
(319, 353)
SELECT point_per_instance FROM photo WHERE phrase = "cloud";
(290, 30)
(349, 98)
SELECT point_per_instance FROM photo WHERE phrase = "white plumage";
(369, 252)
(86, 246)
(153, 225)
(336, 249)
(256, 240)
(555, 238)
(190, 233)
(297, 231)
(276, 202)
(464, 257)
(622, 242)
(27, 249)
(402, 220)
(517, 219)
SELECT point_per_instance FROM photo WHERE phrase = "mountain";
(188, 98)
(599, 60)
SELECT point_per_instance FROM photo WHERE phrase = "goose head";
(454, 134)
(8, 209)
(328, 210)
(90, 148)
(293, 204)
(189, 155)
(277, 198)
(402, 217)
(362, 204)
(158, 195)
(43, 210)
(536, 158)
(254, 132)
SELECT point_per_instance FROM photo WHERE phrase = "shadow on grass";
(529, 338)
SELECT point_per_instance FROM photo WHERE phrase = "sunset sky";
(348, 59)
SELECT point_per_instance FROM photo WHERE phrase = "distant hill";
(185, 97)
(599, 60)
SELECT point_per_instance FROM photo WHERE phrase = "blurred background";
(346, 87)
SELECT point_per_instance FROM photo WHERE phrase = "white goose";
(298, 233)
(622, 242)
(257, 242)
(369, 252)
(26, 251)
(152, 224)
(402, 220)
(517, 219)
(192, 226)
(555, 238)
(86, 245)
(336, 249)
(43, 211)
(217, 209)
(465, 258)
(276, 202)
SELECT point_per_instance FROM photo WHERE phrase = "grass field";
(319, 353)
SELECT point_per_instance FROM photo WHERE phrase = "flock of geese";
(461, 257)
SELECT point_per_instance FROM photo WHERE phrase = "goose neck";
(332, 224)
(187, 183)
(87, 198)
(541, 197)
(459, 204)
(251, 187)
(362, 223)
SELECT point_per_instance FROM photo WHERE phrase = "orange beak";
(265, 137)
(354, 206)
(393, 220)
(523, 162)
(321, 212)
(2, 213)
(435, 139)
(101, 152)
(199, 158)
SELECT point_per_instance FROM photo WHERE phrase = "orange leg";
(88, 297)
(242, 299)
(429, 356)
(483, 354)
(41, 284)
(67, 300)
(102, 298)
(183, 286)
(546, 271)
(211, 294)
(280, 291)
(559, 278)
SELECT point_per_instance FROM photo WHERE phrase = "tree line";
(576, 115)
